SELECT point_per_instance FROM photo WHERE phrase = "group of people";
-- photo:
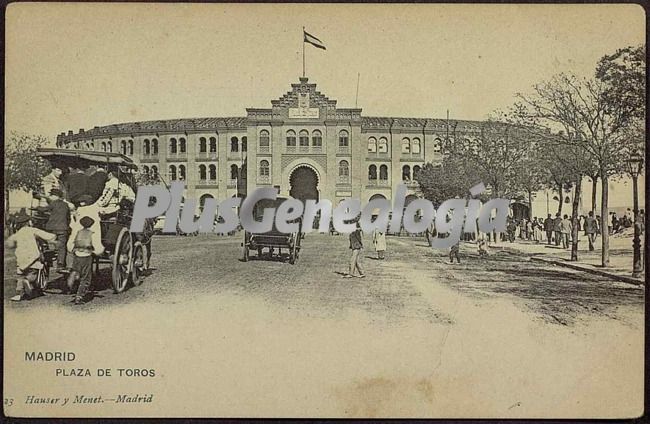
(617, 225)
(71, 204)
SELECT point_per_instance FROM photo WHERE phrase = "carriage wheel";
(43, 277)
(139, 265)
(122, 261)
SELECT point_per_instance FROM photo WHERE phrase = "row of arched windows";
(176, 172)
(177, 146)
(411, 146)
(126, 147)
(150, 147)
(208, 172)
(153, 171)
(302, 139)
(406, 172)
(383, 172)
(377, 146)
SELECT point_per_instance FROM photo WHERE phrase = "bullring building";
(304, 144)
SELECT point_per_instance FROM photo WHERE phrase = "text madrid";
(452, 217)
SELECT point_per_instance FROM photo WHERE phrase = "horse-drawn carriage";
(273, 239)
(127, 253)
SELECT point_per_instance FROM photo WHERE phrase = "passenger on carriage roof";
(49, 182)
(114, 192)
(96, 181)
(76, 184)
(29, 259)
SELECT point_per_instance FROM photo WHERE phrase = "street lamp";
(635, 165)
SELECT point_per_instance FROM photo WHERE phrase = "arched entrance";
(303, 183)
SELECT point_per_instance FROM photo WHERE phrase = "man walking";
(565, 226)
(548, 227)
(356, 244)
(592, 229)
(557, 228)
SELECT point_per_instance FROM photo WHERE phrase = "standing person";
(512, 228)
(539, 230)
(112, 195)
(565, 229)
(83, 246)
(29, 259)
(379, 241)
(591, 229)
(615, 223)
(77, 184)
(529, 229)
(96, 182)
(356, 244)
(557, 229)
(48, 183)
(454, 252)
(548, 227)
(59, 224)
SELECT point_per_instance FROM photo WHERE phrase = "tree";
(24, 169)
(449, 180)
(580, 108)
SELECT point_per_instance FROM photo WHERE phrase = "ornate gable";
(304, 95)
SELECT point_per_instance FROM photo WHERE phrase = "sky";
(71, 66)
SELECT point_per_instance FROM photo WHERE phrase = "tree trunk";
(530, 205)
(574, 219)
(560, 199)
(604, 212)
(594, 181)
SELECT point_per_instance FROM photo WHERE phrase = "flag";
(308, 38)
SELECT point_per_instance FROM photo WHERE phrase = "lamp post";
(635, 165)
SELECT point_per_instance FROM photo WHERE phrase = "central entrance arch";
(303, 183)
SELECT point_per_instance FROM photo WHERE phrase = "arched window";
(213, 145)
(344, 140)
(415, 146)
(154, 146)
(181, 172)
(203, 174)
(103, 146)
(213, 172)
(131, 147)
(303, 138)
(265, 171)
(383, 172)
(203, 199)
(406, 173)
(109, 146)
(382, 146)
(172, 172)
(244, 144)
(344, 171)
(182, 145)
(265, 140)
(416, 172)
(316, 138)
(154, 171)
(145, 170)
(234, 172)
(234, 144)
(173, 146)
(406, 145)
(372, 172)
(291, 138)
(146, 147)
(437, 145)
(123, 147)
(203, 145)
(372, 145)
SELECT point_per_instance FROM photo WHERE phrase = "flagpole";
(357, 96)
(303, 52)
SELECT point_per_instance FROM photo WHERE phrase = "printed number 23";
(8, 401)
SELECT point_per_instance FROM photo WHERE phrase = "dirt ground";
(500, 336)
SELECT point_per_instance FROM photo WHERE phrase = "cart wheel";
(43, 277)
(245, 253)
(139, 265)
(122, 261)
